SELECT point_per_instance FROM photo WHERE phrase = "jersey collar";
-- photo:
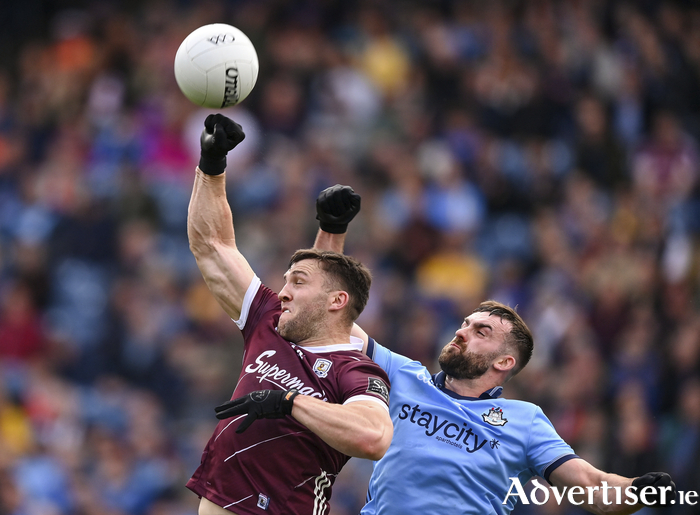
(493, 393)
(330, 348)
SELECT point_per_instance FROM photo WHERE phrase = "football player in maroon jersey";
(313, 398)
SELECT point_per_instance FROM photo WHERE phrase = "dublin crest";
(494, 417)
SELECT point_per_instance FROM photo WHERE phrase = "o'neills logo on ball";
(232, 91)
(222, 39)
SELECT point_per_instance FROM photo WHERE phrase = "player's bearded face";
(466, 364)
(306, 322)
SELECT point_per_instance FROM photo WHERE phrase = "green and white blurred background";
(542, 153)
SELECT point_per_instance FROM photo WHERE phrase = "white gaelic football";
(216, 66)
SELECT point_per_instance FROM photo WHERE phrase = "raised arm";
(601, 492)
(335, 208)
(210, 222)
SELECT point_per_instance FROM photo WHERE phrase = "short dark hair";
(345, 273)
(520, 338)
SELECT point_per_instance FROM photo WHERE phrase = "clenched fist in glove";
(258, 404)
(657, 480)
(220, 135)
(336, 207)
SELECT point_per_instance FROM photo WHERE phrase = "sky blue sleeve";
(546, 449)
(389, 361)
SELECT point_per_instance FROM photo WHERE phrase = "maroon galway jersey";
(278, 465)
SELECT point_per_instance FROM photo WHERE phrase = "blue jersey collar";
(493, 393)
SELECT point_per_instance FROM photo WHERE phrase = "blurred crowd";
(541, 153)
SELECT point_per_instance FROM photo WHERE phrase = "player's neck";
(335, 338)
(470, 387)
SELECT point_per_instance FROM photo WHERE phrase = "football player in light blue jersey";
(459, 449)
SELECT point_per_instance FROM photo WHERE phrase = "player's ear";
(338, 300)
(504, 363)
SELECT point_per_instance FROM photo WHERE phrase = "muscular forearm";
(361, 429)
(209, 219)
(605, 499)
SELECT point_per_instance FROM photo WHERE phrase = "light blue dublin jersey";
(454, 454)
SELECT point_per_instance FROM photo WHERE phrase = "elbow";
(374, 445)
(376, 454)
(202, 240)
(200, 246)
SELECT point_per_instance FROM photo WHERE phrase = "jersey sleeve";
(259, 302)
(363, 380)
(250, 294)
(390, 361)
(546, 450)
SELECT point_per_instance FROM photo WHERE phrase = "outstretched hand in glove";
(657, 480)
(336, 207)
(258, 404)
(220, 135)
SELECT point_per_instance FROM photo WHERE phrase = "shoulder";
(266, 298)
(389, 360)
(518, 404)
(353, 366)
(260, 303)
(356, 362)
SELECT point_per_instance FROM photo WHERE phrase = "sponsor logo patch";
(378, 387)
(321, 367)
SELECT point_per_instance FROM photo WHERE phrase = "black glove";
(655, 479)
(220, 135)
(336, 207)
(258, 404)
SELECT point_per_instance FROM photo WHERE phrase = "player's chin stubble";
(464, 365)
(303, 326)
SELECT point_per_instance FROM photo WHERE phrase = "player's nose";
(462, 334)
(283, 295)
